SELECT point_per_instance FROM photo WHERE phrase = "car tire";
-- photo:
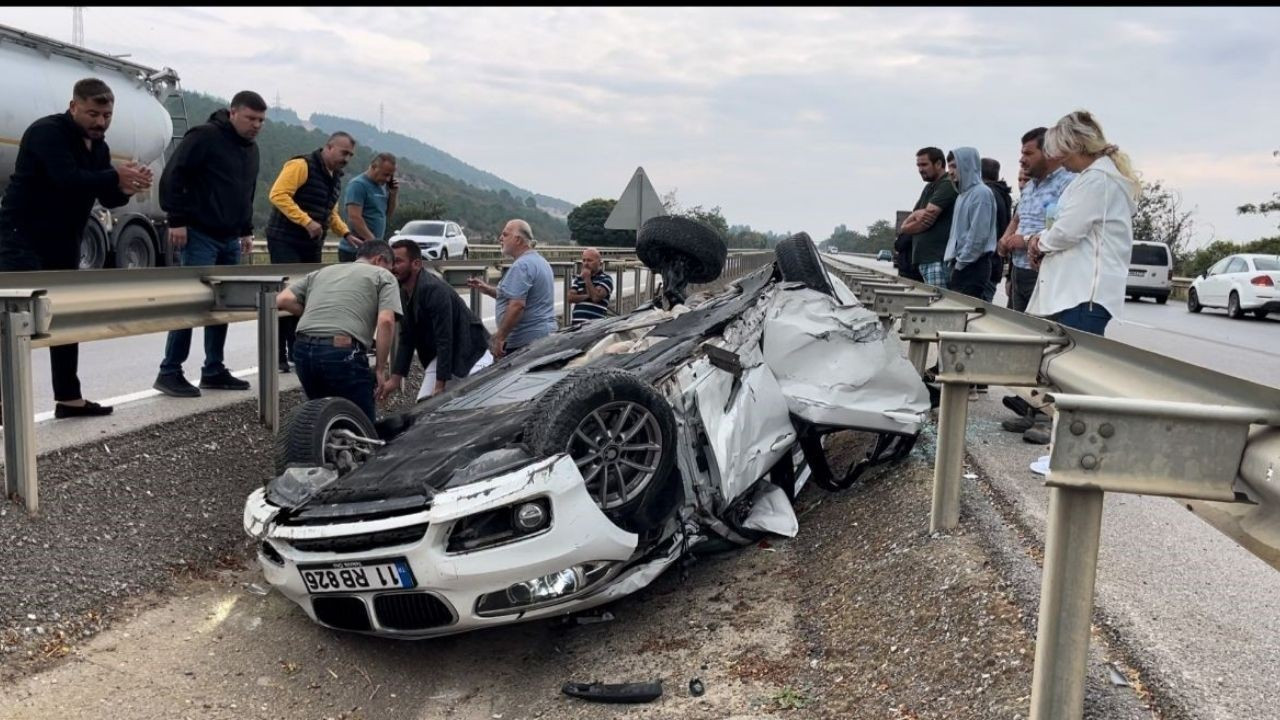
(134, 248)
(798, 261)
(444, 254)
(306, 434)
(1162, 299)
(1233, 306)
(1260, 314)
(466, 253)
(589, 415)
(697, 245)
(1193, 301)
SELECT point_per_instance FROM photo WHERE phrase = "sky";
(787, 118)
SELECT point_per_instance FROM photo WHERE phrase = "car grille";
(411, 611)
(362, 542)
(344, 613)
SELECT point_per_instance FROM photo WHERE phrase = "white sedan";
(1240, 283)
(439, 239)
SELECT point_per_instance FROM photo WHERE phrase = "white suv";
(439, 239)
(1150, 271)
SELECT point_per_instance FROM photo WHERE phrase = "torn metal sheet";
(836, 367)
(771, 512)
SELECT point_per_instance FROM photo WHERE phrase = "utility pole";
(77, 26)
(382, 118)
(278, 105)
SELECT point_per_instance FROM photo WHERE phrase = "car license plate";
(358, 576)
(1137, 273)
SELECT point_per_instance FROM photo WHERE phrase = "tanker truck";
(36, 76)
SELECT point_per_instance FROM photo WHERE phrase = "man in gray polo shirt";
(341, 307)
(526, 308)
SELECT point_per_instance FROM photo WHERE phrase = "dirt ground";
(863, 615)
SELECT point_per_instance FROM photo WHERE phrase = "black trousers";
(287, 252)
(974, 279)
(1023, 285)
(64, 360)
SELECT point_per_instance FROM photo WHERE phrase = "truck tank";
(36, 77)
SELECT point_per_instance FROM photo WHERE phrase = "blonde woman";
(1083, 253)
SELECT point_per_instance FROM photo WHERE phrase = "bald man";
(526, 306)
(591, 289)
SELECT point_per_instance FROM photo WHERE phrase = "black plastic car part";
(798, 261)
(614, 693)
(889, 447)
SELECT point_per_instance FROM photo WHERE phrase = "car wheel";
(1260, 314)
(1233, 306)
(466, 253)
(93, 246)
(134, 248)
(1193, 301)
(621, 434)
(1162, 299)
(669, 243)
(798, 261)
(444, 254)
(325, 431)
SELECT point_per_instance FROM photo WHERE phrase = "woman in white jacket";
(1084, 254)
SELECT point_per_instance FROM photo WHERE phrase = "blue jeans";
(328, 371)
(1089, 317)
(201, 250)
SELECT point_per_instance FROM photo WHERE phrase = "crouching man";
(450, 340)
(342, 307)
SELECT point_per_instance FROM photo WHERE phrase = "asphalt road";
(1248, 348)
(123, 370)
(1200, 613)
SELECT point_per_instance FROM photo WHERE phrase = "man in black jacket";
(207, 190)
(63, 166)
(1004, 212)
(450, 340)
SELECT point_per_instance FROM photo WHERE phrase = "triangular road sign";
(638, 203)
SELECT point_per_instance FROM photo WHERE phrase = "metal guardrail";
(42, 309)
(1127, 420)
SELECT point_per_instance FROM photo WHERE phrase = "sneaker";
(223, 381)
(973, 393)
(175, 386)
(984, 389)
(284, 365)
(1017, 405)
(1037, 435)
(1018, 424)
(89, 409)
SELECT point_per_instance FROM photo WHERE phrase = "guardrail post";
(635, 282)
(268, 351)
(23, 314)
(966, 359)
(257, 293)
(619, 296)
(920, 326)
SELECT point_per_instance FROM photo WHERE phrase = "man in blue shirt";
(1036, 203)
(370, 199)
(526, 309)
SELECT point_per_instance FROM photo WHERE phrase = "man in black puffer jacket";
(207, 190)
(1004, 212)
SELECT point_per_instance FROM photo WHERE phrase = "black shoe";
(284, 366)
(1037, 435)
(223, 381)
(1017, 404)
(175, 386)
(89, 409)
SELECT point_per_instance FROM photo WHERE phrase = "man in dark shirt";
(63, 166)
(450, 340)
(591, 289)
(930, 221)
(207, 189)
(1004, 211)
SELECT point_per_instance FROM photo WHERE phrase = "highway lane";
(123, 369)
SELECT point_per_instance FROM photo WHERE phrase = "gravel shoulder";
(862, 615)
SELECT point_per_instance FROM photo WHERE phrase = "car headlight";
(499, 526)
(544, 590)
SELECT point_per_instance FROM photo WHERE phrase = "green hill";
(424, 193)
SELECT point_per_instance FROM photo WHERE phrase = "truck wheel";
(93, 246)
(134, 248)
(798, 261)
(621, 434)
(669, 240)
(318, 432)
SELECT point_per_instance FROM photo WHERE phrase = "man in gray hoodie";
(973, 228)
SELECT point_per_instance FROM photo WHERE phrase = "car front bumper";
(448, 586)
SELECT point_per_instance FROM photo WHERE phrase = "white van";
(1150, 271)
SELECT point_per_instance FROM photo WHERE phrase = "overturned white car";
(576, 471)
